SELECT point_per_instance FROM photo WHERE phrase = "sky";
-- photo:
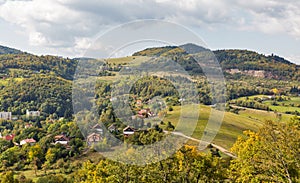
(68, 27)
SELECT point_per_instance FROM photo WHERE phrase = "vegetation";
(260, 127)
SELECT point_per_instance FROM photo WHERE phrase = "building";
(128, 131)
(28, 125)
(61, 139)
(97, 129)
(5, 115)
(32, 113)
(139, 103)
(93, 138)
(112, 128)
(27, 141)
(9, 137)
(145, 113)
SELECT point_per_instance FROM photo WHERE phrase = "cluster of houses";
(97, 133)
(10, 137)
(8, 115)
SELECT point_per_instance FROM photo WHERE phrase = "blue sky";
(68, 27)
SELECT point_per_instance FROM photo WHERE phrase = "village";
(96, 133)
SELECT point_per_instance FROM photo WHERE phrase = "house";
(97, 129)
(112, 128)
(28, 125)
(27, 141)
(145, 113)
(32, 113)
(93, 138)
(61, 139)
(14, 118)
(128, 131)
(139, 103)
(9, 137)
(5, 115)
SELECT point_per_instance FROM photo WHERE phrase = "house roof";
(128, 130)
(61, 138)
(28, 140)
(96, 126)
(92, 135)
(112, 126)
(9, 137)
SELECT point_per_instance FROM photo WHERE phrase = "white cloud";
(70, 24)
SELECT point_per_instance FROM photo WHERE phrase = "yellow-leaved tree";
(270, 155)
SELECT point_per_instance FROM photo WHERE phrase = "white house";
(128, 131)
(27, 141)
(61, 139)
(5, 115)
(32, 113)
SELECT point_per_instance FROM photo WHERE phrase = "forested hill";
(233, 62)
(7, 50)
(24, 64)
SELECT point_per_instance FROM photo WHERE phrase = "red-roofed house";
(9, 137)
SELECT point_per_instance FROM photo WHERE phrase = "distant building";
(145, 113)
(61, 139)
(128, 131)
(28, 141)
(5, 115)
(28, 125)
(93, 138)
(32, 113)
(139, 103)
(9, 137)
(97, 129)
(112, 128)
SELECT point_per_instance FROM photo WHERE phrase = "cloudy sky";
(68, 27)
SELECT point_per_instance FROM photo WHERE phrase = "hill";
(233, 62)
(7, 50)
(28, 64)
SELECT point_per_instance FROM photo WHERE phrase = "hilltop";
(7, 50)
(233, 62)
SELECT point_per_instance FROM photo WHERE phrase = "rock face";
(255, 73)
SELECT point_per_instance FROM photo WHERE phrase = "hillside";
(23, 70)
(58, 151)
(233, 62)
(7, 50)
(62, 67)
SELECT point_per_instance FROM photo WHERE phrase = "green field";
(290, 105)
(233, 125)
(260, 115)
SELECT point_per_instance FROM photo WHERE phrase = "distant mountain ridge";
(233, 62)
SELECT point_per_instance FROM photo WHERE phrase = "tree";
(270, 155)
(8, 177)
(35, 156)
